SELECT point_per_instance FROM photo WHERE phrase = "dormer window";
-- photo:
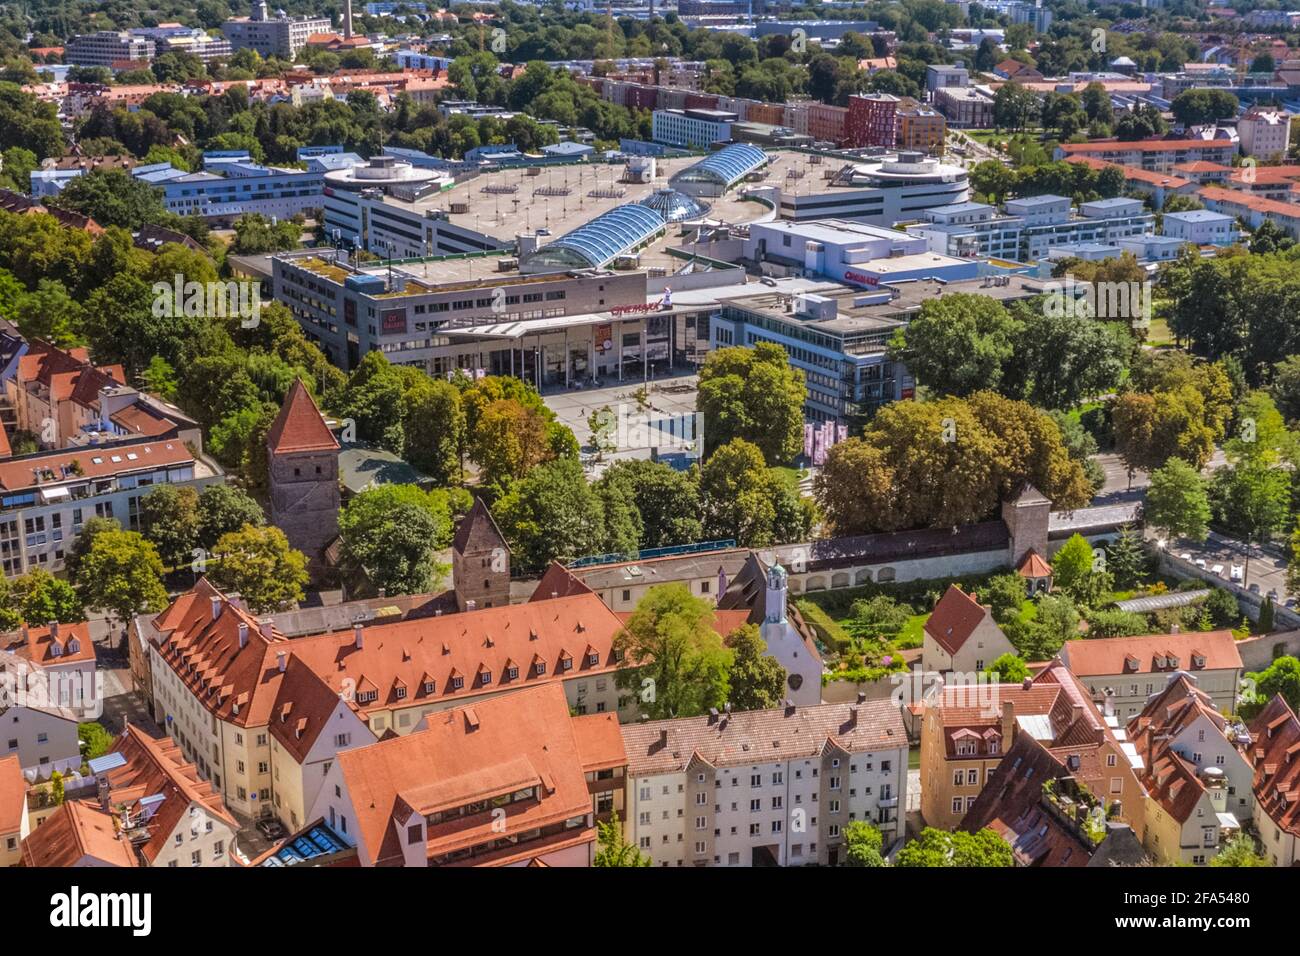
(566, 663)
(74, 646)
(428, 687)
(401, 693)
(56, 650)
(1160, 661)
(484, 678)
(993, 746)
(1198, 661)
(539, 668)
(1173, 662)
(593, 659)
(457, 683)
(512, 673)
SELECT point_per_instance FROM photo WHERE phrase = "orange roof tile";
(77, 829)
(1097, 657)
(954, 619)
(299, 426)
(1033, 566)
(13, 796)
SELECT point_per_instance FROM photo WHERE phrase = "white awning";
(54, 494)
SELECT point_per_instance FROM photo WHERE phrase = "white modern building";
(851, 252)
(692, 128)
(279, 35)
(883, 191)
(1201, 227)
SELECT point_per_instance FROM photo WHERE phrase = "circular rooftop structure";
(675, 206)
(381, 172)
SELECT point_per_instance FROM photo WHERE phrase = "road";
(1117, 487)
(1266, 568)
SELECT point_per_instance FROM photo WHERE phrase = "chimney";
(243, 633)
(54, 629)
(356, 633)
(1027, 683)
(471, 605)
(264, 626)
(104, 789)
(281, 659)
(663, 738)
(853, 715)
(1008, 724)
(216, 603)
(713, 715)
(862, 698)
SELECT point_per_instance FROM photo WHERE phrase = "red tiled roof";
(299, 426)
(36, 644)
(96, 461)
(1033, 566)
(498, 746)
(1097, 657)
(76, 829)
(1144, 145)
(954, 619)
(1247, 201)
(1275, 754)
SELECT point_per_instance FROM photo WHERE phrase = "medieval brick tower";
(1026, 516)
(480, 561)
(303, 461)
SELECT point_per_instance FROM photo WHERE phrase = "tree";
(1116, 623)
(257, 563)
(1280, 678)
(1239, 850)
(1223, 608)
(957, 344)
(39, 598)
(992, 179)
(757, 679)
(1015, 107)
(223, 509)
(667, 500)
(169, 517)
(675, 660)
(1057, 622)
(863, 845)
(876, 618)
(1198, 107)
(612, 848)
(1073, 563)
(552, 513)
(1252, 498)
(394, 532)
(741, 498)
(1126, 558)
(1153, 427)
(1177, 502)
(255, 234)
(95, 740)
(754, 394)
(112, 197)
(121, 575)
(82, 543)
(435, 429)
(940, 848)
(509, 440)
(1061, 358)
(1008, 669)
(1266, 615)
(1004, 594)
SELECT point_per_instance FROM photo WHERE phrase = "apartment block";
(872, 120)
(764, 788)
(1274, 754)
(117, 51)
(1265, 134)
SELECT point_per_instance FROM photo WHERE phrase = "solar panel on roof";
(106, 763)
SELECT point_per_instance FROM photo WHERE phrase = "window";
(972, 777)
(956, 804)
(413, 834)
(958, 778)
(196, 858)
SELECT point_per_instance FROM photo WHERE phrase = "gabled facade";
(14, 825)
(1274, 753)
(961, 635)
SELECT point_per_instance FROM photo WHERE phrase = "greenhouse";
(675, 206)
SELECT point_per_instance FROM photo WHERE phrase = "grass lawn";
(1159, 334)
(789, 475)
(912, 635)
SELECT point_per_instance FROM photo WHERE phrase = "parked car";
(1200, 563)
(270, 828)
(1273, 595)
(1237, 572)
(1217, 569)
(1254, 588)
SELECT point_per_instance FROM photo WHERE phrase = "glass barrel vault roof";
(609, 235)
(727, 166)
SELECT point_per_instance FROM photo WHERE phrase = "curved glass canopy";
(599, 242)
(726, 167)
(675, 206)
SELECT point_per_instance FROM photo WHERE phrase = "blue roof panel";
(610, 234)
(729, 164)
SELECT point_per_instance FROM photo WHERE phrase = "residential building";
(303, 474)
(14, 825)
(151, 810)
(965, 107)
(175, 38)
(512, 781)
(921, 128)
(1265, 133)
(55, 665)
(1253, 210)
(872, 120)
(1128, 670)
(764, 787)
(961, 636)
(692, 128)
(1183, 717)
(967, 729)
(230, 187)
(1154, 155)
(262, 715)
(622, 584)
(117, 51)
(1047, 812)
(1187, 815)
(46, 498)
(939, 76)
(971, 230)
(1274, 754)
(1201, 227)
